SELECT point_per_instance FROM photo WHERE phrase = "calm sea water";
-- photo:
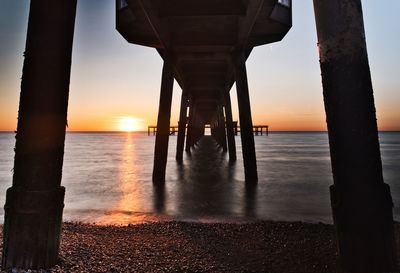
(108, 179)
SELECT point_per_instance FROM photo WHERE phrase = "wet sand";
(198, 247)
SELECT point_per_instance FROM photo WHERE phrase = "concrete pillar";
(235, 128)
(230, 128)
(196, 128)
(164, 115)
(181, 128)
(222, 129)
(361, 201)
(246, 124)
(34, 203)
(189, 129)
(214, 129)
(159, 197)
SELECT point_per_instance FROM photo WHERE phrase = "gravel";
(197, 247)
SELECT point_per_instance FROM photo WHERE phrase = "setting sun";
(129, 124)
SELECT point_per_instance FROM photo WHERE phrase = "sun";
(129, 124)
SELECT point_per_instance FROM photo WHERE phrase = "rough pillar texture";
(246, 123)
(181, 128)
(361, 201)
(164, 114)
(230, 128)
(34, 203)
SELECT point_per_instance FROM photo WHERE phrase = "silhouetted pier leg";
(197, 128)
(34, 203)
(222, 128)
(361, 201)
(164, 114)
(194, 128)
(246, 124)
(181, 128)
(189, 129)
(229, 128)
(235, 127)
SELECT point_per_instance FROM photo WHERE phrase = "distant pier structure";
(257, 129)
(204, 45)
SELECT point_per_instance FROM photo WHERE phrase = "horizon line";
(145, 131)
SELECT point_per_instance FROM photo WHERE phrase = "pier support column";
(361, 201)
(222, 129)
(235, 128)
(181, 128)
(246, 123)
(189, 129)
(230, 128)
(164, 115)
(34, 203)
(196, 129)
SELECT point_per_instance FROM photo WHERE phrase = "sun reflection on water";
(131, 188)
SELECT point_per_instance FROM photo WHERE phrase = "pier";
(257, 129)
(204, 45)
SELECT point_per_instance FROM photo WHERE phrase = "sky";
(113, 81)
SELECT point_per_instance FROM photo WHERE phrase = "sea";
(107, 176)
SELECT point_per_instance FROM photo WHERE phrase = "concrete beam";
(247, 22)
(201, 8)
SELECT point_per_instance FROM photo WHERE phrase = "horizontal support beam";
(201, 8)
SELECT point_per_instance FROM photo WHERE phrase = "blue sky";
(111, 78)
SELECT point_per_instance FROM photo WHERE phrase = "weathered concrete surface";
(34, 203)
(361, 201)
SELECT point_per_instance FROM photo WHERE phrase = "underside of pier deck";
(207, 43)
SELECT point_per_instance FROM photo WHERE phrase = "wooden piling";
(246, 124)
(34, 203)
(163, 122)
(361, 201)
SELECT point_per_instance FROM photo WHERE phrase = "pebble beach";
(263, 246)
